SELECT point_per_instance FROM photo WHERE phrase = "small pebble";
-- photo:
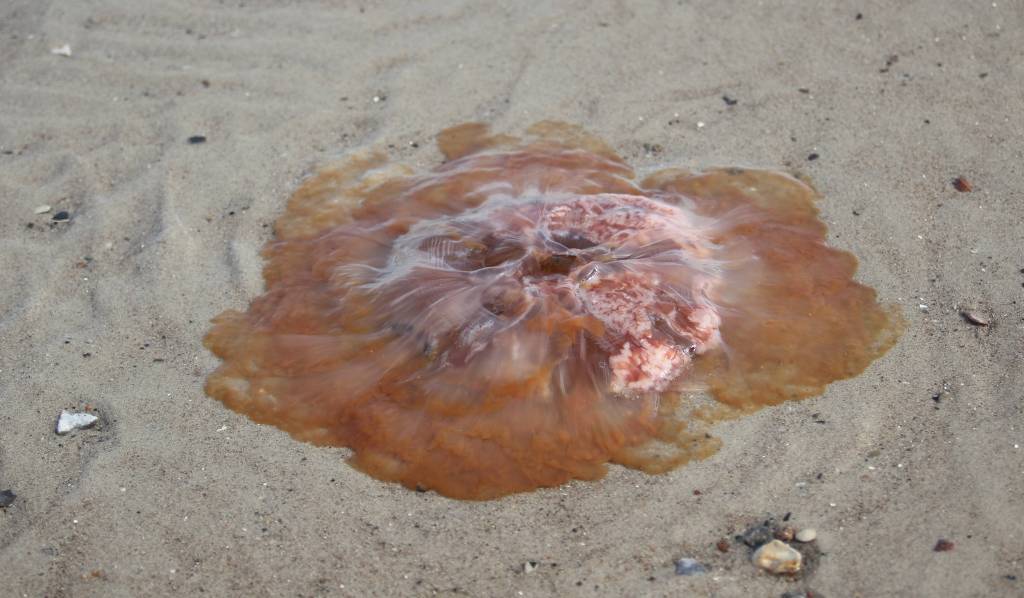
(976, 318)
(530, 566)
(723, 545)
(806, 535)
(687, 566)
(61, 216)
(799, 594)
(42, 209)
(64, 50)
(962, 185)
(943, 545)
(197, 139)
(812, 157)
(785, 534)
(756, 536)
(69, 421)
(7, 498)
(778, 558)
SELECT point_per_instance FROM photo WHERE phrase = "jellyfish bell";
(526, 313)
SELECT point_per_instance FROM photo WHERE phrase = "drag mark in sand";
(526, 313)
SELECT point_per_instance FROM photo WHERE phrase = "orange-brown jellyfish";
(526, 313)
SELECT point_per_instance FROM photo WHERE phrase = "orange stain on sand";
(526, 312)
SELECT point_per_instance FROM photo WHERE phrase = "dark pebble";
(943, 545)
(962, 185)
(61, 216)
(730, 101)
(7, 498)
(756, 536)
(801, 594)
(813, 157)
(975, 318)
(197, 139)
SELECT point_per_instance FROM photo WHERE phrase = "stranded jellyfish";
(526, 312)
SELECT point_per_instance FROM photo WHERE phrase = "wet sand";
(171, 493)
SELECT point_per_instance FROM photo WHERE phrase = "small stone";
(61, 216)
(70, 421)
(64, 50)
(687, 566)
(806, 535)
(723, 545)
(197, 139)
(778, 558)
(530, 566)
(801, 594)
(943, 545)
(962, 185)
(976, 318)
(785, 534)
(42, 209)
(756, 536)
(7, 498)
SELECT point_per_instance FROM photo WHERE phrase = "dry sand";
(172, 494)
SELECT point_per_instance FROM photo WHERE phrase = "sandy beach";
(146, 149)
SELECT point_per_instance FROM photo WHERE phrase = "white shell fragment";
(778, 558)
(688, 566)
(70, 421)
(806, 535)
(42, 209)
(64, 50)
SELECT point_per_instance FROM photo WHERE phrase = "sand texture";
(170, 493)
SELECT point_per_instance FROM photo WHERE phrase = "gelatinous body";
(526, 313)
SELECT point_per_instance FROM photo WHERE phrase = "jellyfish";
(528, 312)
